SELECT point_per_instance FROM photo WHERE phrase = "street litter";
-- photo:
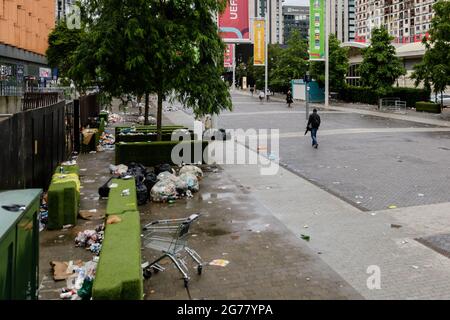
(118, 170)
(113, 219)
(415, 267)
(219, 263)
(421, 195)
(193, 170)
(397, 226)
(305, 226)
(69, 163)
(163, 191)
(91, 239)
(125, 192)
(88, 214)
(392, 207)
(79, 284)
(305, 237)
(191, 180)
(63, 270)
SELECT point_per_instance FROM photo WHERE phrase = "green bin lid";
(24, 197)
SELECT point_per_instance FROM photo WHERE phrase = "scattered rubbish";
(93, 152)
(63, 270)
(113, 219)
(319, 252)
(79, 284)
(373, 213)
(307, 279)
(163, 191)
(392, 207)
(306, 226)
(83, 169)
(305, 237)
(61, 236)
(336, 182)
(415, 267)
(397, 226)
(404, 241)
(67, 226)
(89, 181)
(89, 214)
(91, 239)
(219, 263)
(118, 170)
(193, 170)
(125, 192)
(420, 195)
(191, 180)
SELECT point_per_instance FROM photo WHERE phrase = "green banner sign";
(317, 30)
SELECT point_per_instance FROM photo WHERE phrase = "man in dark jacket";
(313, 126)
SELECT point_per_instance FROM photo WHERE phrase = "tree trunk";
(146, 108)
(159, 116)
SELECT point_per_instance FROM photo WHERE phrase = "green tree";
(167, 47)
(62, 44)
(338, 65)
(256, 74)
(434, 70)
(380, 67)
(291, 63)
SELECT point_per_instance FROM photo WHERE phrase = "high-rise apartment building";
(275, 11)
(406, 20)
(295, 18)
(342, 19)
(62, 8)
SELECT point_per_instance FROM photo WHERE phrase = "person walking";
(261, 96)
(313, 126)
(289, 99)
(252, 90)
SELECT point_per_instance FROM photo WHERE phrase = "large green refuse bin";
(19, 244)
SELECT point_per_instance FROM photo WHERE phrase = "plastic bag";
(163, 167)
(193, 170)
(191, 181)
(163, 191)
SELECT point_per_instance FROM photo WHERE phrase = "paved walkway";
(351, 239)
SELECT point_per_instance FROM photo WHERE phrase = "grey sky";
(296, 2)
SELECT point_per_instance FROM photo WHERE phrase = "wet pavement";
(266, 260)
(371, 162)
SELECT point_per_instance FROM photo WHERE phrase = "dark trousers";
(314, 136)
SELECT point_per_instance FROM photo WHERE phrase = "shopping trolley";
(170, 237)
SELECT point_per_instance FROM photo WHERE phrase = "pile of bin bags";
(79, 278)
(91, 239)
(162, 183)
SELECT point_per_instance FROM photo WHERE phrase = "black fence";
(89, 109)
(33, 100)
(33, 143)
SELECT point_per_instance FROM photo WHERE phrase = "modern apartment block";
(342, 19)
(295, 18)
(275, 11)
(406, 20)
(24, 29)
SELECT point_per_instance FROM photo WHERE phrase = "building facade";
(275, 11)
(406, 20)
(342, 19)
(295, 18)
(24, 29)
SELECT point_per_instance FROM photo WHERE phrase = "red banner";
(234, 23)
(228, 56)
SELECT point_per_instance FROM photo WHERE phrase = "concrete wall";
(10, 105)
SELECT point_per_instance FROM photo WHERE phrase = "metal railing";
(392, 105)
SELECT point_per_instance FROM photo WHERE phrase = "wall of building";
(275, 10)
(295, 18)
(25, 24)
(406, 20)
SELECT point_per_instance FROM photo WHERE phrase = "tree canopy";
(338, 65)
(166, 47)
(380, 67)
(434, 70)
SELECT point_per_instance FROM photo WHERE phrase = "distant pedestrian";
(261, 96)
(289, 99)
(313, 126)
(252, 90)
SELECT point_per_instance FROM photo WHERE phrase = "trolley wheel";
(155, 270)
(186, 283)
(199, 269)
(147, 273)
